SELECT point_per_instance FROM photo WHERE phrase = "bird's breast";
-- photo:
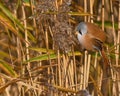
(81, 39)
(86, 42)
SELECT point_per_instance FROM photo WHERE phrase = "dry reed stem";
(81, 78)
(85, 10)
(114, 77)
(59, 69)
(85, 69)
(118, 49)
(91, 10)
(113, 23)
(88, 69)
(66, 70)
(103, 14)
(96, 86)
(33, 13)
(95, 63)
(27, 45)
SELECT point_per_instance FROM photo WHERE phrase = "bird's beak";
(76, 33)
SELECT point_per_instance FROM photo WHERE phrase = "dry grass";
(40, 56)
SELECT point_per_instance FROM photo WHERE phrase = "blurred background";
(41, 56)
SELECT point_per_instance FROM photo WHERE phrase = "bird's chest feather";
(85, 41)
(82, 39)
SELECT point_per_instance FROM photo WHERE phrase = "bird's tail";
(106, 65)
(106, 82)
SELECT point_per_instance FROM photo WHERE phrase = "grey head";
(83, 93)
(82, 28)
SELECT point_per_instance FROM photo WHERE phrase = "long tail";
(106, 65)
(106, 82)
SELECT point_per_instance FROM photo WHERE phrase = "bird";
(83, 93)
(91, 37)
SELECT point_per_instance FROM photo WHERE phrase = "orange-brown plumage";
(91, 37)
(95, 31)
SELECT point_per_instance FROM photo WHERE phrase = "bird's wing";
(96, 31)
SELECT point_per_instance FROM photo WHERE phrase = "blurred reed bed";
(40, 56)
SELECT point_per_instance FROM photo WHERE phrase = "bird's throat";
(81, 38)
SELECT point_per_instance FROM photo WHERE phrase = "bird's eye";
(80, 32)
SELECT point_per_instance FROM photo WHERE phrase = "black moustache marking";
(80, 32)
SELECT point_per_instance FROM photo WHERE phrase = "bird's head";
(81, 29)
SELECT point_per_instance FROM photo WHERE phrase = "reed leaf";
(41, 50)
(7, 68)
(15, 21)
(49, 56)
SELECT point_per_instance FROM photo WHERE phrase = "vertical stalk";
(103, 14)
(118, 49)
(81, 78)
(91, 10)
(85, 69)
(118, 38)
(50, 70)
(59, 69)
(113, 23)
(115, 38)
(96, 56)
(75, 69)
(27, 45)
(26, 35)
(32, 2)
(85, 9)
(88, 71)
